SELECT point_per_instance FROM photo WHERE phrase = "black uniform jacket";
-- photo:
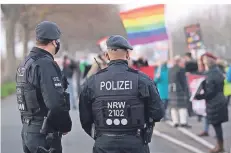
(147, 92)
(45, 75)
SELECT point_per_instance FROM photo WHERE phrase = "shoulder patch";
(56, 82)
(21, 71)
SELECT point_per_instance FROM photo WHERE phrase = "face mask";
(57, 47)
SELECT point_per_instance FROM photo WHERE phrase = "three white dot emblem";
(124, 121)
(109, 122)
(117, 121)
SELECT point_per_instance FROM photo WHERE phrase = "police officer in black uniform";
(42, 100)
(122, 104)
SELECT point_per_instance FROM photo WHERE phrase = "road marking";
(193, 136)
(177, 142)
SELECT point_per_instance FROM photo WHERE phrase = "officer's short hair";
(43, 42)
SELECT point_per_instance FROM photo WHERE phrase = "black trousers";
(31, 140)
(228, 100)
(120, 144)
(218, 131)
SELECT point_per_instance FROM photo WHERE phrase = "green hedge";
(7, 89)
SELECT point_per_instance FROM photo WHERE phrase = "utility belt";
(135, 132)
(145, 133)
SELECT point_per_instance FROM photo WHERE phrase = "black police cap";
(118, 42)
(47, 30)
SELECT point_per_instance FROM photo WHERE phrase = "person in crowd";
(228, 82)
(221, 64)
(69, 67)
(99, 63)
(201, 71)
(216, 107)
(178, 94)
(228, 74)
(161, 80)
(227, 85)
(190, 64)
(141, 62)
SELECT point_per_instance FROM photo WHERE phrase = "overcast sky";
(173, 11)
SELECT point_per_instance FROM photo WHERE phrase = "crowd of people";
(171, 81)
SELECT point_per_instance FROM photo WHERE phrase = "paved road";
(198, 126)
(78, 141)
(75, 141)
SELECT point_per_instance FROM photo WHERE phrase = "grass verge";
(7, 89)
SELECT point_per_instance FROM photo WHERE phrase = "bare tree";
(11, 14)
(30, 16)
(83, 25)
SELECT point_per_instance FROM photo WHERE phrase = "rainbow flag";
(145, 25)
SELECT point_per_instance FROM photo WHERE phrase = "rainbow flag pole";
(145, 25)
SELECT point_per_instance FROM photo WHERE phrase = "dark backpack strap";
(133, 70)
(102, 70)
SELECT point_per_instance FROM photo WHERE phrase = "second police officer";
(42, 100)
(122, 104)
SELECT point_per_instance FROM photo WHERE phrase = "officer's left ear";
(128, 55)
(107, 56)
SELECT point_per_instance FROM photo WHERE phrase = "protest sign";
(193, 36)
(194, 82)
